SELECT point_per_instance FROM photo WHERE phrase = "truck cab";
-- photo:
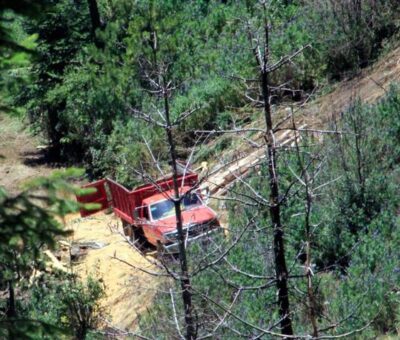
(158, 219)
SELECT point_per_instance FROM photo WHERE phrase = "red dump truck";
(148, 213)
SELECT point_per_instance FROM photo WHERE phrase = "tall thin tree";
(261, 53)
(162, 88)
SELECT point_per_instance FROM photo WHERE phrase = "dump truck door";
(99, 197)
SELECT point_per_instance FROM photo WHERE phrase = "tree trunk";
(11, 310)
(94, 15)
(96, 22)
(278, 243)
(184, 277)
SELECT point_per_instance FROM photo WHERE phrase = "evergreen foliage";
(80, 79)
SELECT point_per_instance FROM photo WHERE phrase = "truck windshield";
(162, 209)
(166, 208)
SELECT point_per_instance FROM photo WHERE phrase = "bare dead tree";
(162, 89)
(184, 278)
(261, 51)
(306, 182)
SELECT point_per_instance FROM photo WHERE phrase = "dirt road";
(20, 159)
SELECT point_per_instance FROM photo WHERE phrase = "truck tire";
(128, 231)
(136, 236)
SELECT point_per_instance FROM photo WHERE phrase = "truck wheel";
(128, 232)
(136, 236)
(160, 250)
(140, 239)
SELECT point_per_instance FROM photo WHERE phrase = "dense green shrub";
(72, 306)
(349, 35)
(364, 164)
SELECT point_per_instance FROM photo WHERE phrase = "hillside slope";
(370, 85)
(129, 291)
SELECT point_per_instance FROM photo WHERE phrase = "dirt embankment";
(370, 85)
(129, 291)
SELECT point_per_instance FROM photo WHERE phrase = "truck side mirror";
(205, 195)
(136, 214)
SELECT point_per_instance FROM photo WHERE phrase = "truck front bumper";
(173, 248)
